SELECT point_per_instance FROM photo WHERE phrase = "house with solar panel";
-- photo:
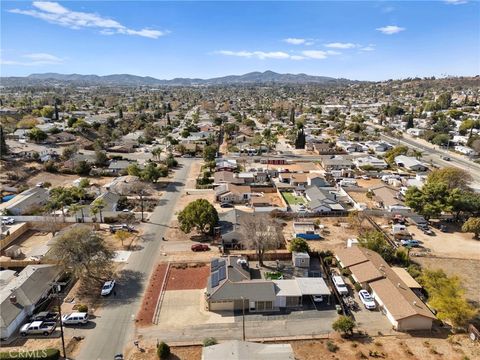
(230, 287)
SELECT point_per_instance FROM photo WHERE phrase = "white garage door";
(221, 306)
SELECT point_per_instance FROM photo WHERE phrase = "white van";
(77, 318)
(340, 285)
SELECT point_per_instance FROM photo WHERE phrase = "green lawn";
(292, 199)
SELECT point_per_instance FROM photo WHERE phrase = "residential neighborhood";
(269, 215)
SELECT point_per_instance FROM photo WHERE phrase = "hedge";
(44, 354)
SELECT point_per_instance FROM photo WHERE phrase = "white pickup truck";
(38, 327)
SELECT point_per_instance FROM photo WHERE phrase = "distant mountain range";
(267, 77)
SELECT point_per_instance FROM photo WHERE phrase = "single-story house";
(231, 193)
(330, 163)
(322, 200)
(409, 163)
(20, 295)
(230, 288)
(222, 177)
(226, 165)
(370, 161)
(26, 202)
(402, 307)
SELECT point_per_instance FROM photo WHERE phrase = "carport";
(314, 287)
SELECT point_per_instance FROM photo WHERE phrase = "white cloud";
(339, 45)
(315, 54)
(390, 29)
(369, 47)
(256, 54)
(299, 41)
(295, 41)
(455, 2)
(262, 55)
(34, 59)
(55, 13)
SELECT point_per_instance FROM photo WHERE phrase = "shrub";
(209, 341)
(163, 351)
(332, 347)
(346, 272)
(82, 308)
(44, 354)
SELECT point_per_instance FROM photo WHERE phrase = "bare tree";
(261, 233)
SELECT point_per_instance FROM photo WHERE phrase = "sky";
(360, 40)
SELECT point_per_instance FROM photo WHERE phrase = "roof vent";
(414, 302)
(13, 299)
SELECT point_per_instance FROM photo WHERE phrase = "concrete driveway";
(184, 308)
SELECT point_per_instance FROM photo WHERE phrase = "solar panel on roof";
(222, 273)
(214, 279)
(214, 265)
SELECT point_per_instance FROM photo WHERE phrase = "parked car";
(200, 247)
(443, 228)
(446, 158)
(76, 318)
(8, 221)
(317, 298)
(428, 231)
(126, 227)
(410, 243)
(226, 205)
(367, 299)
(340, 285)
(108, 287)
(38, 327)
(45, 316)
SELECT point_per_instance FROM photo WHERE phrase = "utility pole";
(59, 304)
(141, 203)
(243, 318)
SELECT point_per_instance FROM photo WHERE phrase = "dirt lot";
(406, 348)
(466, 269)
(63, 179)
(453, 243)
(189, 278)
(178, 353)
(174, 233)
(391, 347)
(335, 233)
(150, 298)
(31, 240)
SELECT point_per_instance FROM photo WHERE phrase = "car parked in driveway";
(76, 318)
(200, 247)
(410, 243)
(108, 287)
(367, 299)
(226, 205)
(38, 328)
(45, 316)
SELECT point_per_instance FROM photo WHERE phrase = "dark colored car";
(226, 205)
(45, 316)
(200, 247)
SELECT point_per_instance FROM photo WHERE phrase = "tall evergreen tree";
(3, 144)
(292, 115)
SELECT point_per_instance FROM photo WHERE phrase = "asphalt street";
(430, 153)
(115, 321)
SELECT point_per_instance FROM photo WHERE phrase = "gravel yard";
(189, 278)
